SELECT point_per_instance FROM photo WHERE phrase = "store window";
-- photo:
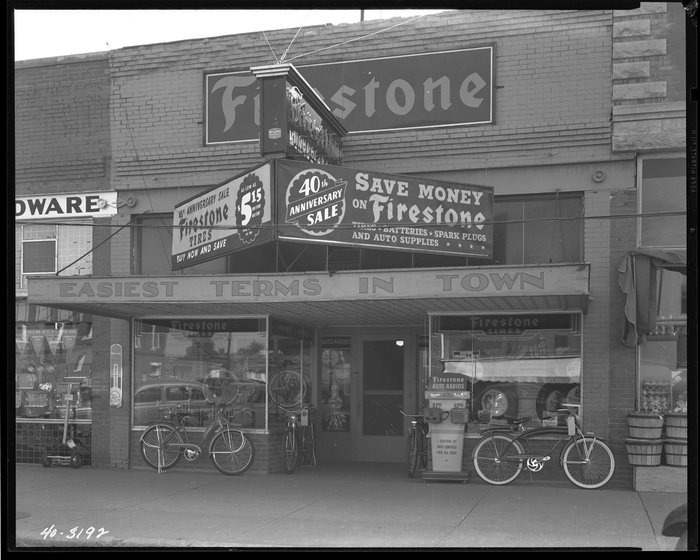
(53, 353)
(154, 240)
(336, 364)
(175, 360)
(517, 365)
(290, 367)
(537, 229)
(662, 191)
(48, 249)
(663, 357)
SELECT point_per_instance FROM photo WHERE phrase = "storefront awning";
(638, 279)
(347, 298)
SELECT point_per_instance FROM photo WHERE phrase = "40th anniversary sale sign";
(227, 218)
(336, 205)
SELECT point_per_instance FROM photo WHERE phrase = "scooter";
(67, 452)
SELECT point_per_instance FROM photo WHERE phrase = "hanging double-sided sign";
(336, 205)
(234, 215)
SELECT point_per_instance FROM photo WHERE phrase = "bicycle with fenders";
(502, 453)
(230, 450)
(416, 444)
(299, 439)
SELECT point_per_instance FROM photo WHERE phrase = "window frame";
(640, 197)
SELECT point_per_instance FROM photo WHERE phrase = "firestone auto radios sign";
(450, 88)
(225, 219)
(336, 205)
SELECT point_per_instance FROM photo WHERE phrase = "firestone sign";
(224, 219)
(351, 207)
(449, 88)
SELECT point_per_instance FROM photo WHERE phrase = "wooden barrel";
(676, 425)
(676, 452)
(645, 426)
(644, 452)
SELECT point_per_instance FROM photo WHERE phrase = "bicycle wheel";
(290, 451)
(154, 444)
(588, 462)
(287, 388)
(412, 453)
(232, 452)
(491, 459)
(310, 445)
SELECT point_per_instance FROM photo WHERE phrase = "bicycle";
(229, 449)
(292, 442)
(499, 456)
(416, 444)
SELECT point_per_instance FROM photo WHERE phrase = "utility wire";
(264, 227)
(357, 38)
(284, 54)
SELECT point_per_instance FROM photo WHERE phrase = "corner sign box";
(294, 120)
(235, 215)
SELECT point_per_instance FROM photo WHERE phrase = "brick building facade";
(579, 98)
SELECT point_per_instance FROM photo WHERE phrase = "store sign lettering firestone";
(232, 216)
(337, 205)
(449, 88)
(559, 280)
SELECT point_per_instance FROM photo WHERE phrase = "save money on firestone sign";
(337, 205)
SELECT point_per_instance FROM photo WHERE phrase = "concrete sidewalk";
(356, 505)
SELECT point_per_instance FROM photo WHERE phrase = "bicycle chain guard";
(536, 464)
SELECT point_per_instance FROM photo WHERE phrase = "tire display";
(499, 400)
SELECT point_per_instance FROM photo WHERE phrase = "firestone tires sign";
(232, 216)
(450, 88)
(336, 205)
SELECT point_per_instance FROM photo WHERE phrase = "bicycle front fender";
(576, 439)
(502, 431)
(159, 423)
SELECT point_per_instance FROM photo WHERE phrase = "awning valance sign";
(501, 281)
(337, 205)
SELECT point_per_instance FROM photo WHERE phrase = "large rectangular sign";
(225, 219)
(336, 205)
(449, 88)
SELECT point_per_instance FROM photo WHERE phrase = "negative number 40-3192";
(75, 532)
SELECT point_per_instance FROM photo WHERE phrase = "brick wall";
(557, 98)
(62, 125)
(623, 234)
(269, 454)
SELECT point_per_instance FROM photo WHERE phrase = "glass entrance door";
(378, 425)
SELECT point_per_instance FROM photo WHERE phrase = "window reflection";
(517, 366)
